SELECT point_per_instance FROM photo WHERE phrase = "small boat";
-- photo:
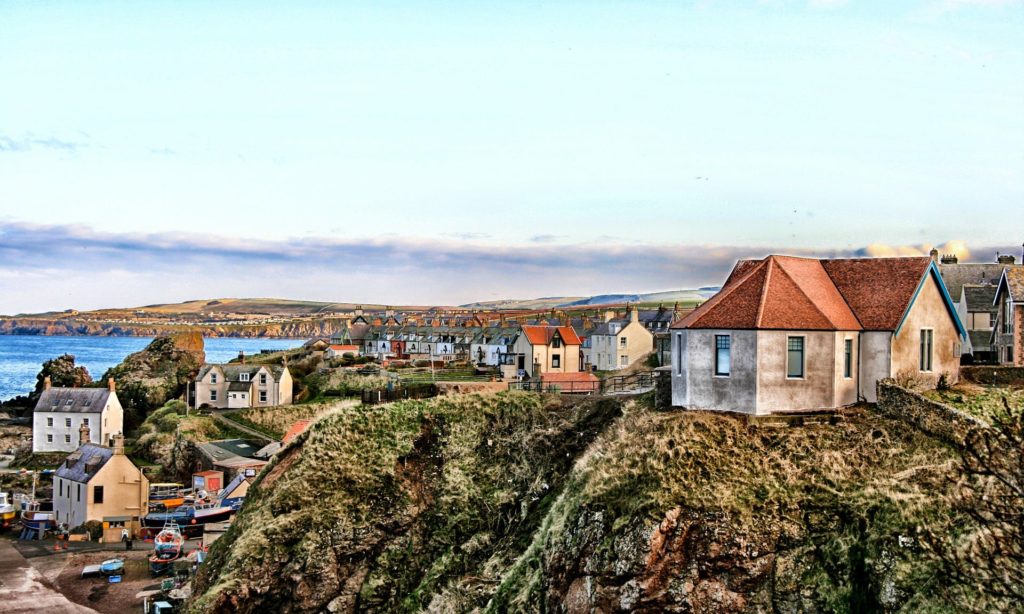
(112, 567)
(166, 496)
(167, 548)
(189, 515)
(33, 518)
(6, 511)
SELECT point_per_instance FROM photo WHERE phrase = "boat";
(189, 515)
(167, 548)
(112, 567)
(33, 518)
(166, 496)
(7, 512)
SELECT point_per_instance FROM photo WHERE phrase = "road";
(220, 417)
(23, 588)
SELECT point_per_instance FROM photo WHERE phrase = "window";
(263, 396)
(556, 342)
(1007, 316)
(795, 357)
(926, 349)
(85, 421)
(213, 395)
(723, 355)
(60, 484)
(213, 378)
(848, 358)
(49, 439)
(243, 377)
(622, 342)
(556, 361)
(623, 361)
(67, 439)
(67, 422)
(97, 494)
(679, 353)
(263, 379)
(1009, 354)
(49, 421)
(70, 402)
(79, 493)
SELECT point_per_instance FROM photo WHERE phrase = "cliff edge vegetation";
(523, 503)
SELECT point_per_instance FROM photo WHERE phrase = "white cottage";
(61, 412)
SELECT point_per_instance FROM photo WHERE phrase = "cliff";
(514, 502)
(68, 326)
(159, 373)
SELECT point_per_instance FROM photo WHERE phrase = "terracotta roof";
(879, 290)
(779, 292)
(542, 335)
(295, 430)
(345, 348)
(787, 293)
(575, 376)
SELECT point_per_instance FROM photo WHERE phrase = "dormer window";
(213, 378)
(243, 377)
(70, 402)
(556, 342)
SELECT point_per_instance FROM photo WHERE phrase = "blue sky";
(506, 145)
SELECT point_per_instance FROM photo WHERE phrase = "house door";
(522, 362)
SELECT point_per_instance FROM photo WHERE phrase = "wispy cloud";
(546, 238)
(61, 266)
(29, 142)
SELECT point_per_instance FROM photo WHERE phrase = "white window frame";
(263, 396)
(556, 361)
(927, 340)
(243, 377)
(213, 378)
(67, 423)
(213, 395)
(49, 421)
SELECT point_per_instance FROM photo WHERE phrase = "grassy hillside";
(514, 502)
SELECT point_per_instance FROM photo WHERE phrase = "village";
(785, 338)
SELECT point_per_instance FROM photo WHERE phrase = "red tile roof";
(787, 293)
(542, 335)
(345, 348)
(298, 428)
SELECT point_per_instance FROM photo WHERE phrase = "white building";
(239, 385)
(61, 412)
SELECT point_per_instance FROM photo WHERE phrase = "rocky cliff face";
(505, 503)
(149, 378)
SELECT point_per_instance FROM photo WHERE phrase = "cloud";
(162, 151)
(468, 236)
(546, 238)
(29, 142)
(61, 266)
(956, 248)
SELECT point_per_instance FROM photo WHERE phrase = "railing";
(628, 383)
(557, 388)
(385, 395)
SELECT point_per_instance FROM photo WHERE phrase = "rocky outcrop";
(159, 373)
(300, 329)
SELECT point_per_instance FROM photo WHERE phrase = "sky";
(448, 152)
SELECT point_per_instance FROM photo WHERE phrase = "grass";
(275, 421)
(979, 400)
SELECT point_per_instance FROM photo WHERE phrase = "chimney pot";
(935, 255)
(111, 386)
(47, 383)
(83, 434)
(1006, 259)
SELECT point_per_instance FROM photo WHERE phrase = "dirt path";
(220, 417)
(24, 589)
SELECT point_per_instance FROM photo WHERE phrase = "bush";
(93, 527)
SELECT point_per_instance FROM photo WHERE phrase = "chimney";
(118, 444)
(935, 255)
(634, 314)
(241, 357)
(359, 310)
(111, 386)
(1006, 258)
(609, 315)
(83, 434)
(949, 259)
(47, 384)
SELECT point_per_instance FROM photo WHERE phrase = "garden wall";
(930, 417)
(992, 375)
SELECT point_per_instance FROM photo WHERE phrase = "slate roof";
(232, 371)
(226, 449)
(239, 386)
(787, 293)
(1013, 279)
(956, 276)
(542, 335)
(980, 339)
(980, 298)
(82, 464)
(82, 400)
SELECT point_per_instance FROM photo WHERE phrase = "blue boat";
(112, 567)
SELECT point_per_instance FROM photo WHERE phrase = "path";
(220, 417)
(24, 589)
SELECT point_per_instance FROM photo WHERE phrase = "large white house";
(240, 385)
(61, 412)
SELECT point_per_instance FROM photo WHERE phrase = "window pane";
(848, 359)
(795, 359)
(723, 352)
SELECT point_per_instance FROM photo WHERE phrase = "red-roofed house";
(338, 350)
(789, 334)
(296, 429)
(548, 349)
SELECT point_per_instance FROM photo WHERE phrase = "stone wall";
(663, 387)
(938, 420)
(993, 375)
(445, 388)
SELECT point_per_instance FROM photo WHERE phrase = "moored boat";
(7, 512)
(167, 548)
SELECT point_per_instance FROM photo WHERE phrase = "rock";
(149, 378)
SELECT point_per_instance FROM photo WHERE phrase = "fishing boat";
(166, 496)
(7, 512)
(34, 518)
(189, 515)
(112, 567)
(166, 549)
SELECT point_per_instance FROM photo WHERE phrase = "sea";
(21, 356)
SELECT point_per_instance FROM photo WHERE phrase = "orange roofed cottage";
(791, 334)
(548, 349)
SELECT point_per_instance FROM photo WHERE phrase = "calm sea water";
(22, 356)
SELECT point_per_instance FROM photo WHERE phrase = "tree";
(986, 558)
(62, 372)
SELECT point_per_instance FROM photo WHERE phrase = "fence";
(643, 380)
(558, 388)
(385, 395)
(617, 384)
